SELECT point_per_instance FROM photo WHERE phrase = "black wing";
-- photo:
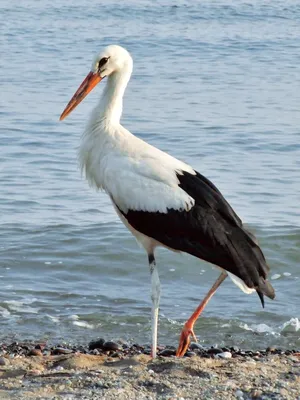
(211, 230)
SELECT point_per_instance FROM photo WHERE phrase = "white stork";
(161, 200)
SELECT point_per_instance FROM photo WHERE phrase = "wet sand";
(30, 371)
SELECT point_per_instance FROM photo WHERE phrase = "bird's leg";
(155, 297)
(188, 330)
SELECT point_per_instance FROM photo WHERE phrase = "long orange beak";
(91, 80)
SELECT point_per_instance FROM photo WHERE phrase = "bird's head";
(112, 60)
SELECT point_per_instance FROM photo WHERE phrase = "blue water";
(216, 84)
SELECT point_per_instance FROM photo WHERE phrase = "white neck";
(100, 132)
(111, 103)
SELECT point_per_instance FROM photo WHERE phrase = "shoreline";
(114, 370)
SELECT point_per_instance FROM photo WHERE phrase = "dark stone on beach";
(196, 346)
(167, 353)
(35, 352)
(214, 350)
(108, 346)
(234, 349)
(190, 354)
(96, 344)
(224, 349)
(40, 346)
(115, 354)
(80, 349)
(122, 343)
(61, 350)
(3, 361)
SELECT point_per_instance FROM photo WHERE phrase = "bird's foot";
(184, 340)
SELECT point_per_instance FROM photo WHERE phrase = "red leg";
(188, 330)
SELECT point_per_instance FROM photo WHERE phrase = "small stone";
(40, 346)
(96, 344)
(224, 349)
(190, 354)
(151, 372)
(61, 350)
(235, 349)
(239, 394)
(34, 372)
(256, 394)
(35, 352)
(167, 353)
(271, 349)
(294, 359)
(3, 361)
(59, 368)
(111, 346)
(196, 346)
(214, 350)
(225, 354)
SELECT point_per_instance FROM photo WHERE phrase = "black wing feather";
(211, 230)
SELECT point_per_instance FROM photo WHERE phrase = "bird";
(163, 201)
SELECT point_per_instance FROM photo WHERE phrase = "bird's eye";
(102, 62)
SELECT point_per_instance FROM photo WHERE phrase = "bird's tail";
(265, 288)
(257, 267)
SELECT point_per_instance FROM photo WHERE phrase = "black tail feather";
(261, 296)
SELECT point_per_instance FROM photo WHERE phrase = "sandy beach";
(30, 371)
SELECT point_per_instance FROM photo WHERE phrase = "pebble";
(3, 361)
(196, 346)
(34, 372)
(40, 346)
(59, 368)
(239, 394)
(95, 352)
(225, 349)
(214, 350)
(190, 354)
(256, 394)
(111, 346)
(167, 353)
(35, 352)
(61, 350)
(96, 344)
(225, 354)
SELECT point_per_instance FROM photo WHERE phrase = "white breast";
(135, 174)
